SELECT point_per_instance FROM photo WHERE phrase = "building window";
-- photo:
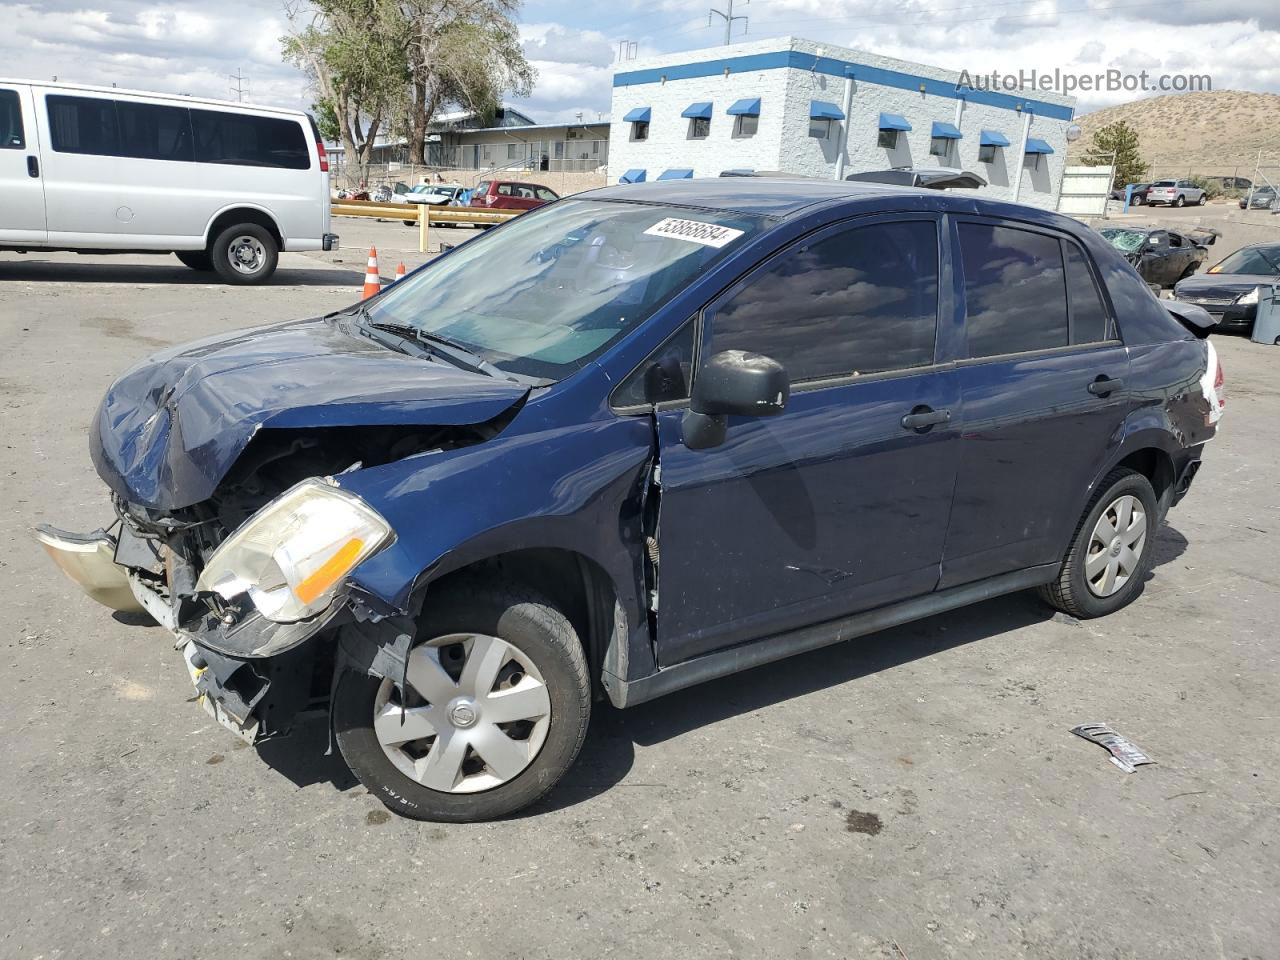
(987, 153)
(745, 125)
(640, 130)
(939, 146)
(887, 139)
(511, 151)
(699, 128)
(486, 152)
(819, 129)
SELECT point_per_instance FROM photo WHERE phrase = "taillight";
(324, 157)
(1220, 385)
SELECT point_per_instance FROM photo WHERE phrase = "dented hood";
(169, 430)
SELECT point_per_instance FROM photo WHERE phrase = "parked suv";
(1176, 193)
(511, 195)
(686, 429)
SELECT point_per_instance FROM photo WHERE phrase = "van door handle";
(922, 418)
(33, 167)
(1104, 386)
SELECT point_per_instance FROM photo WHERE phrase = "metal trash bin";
(1266, 326)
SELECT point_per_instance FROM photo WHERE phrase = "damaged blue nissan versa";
(632, 441)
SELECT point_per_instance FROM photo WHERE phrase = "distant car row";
(1176, 193)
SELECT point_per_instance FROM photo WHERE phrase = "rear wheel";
(196, 259)
(1110, 554)
(245, 253)
(493, 710)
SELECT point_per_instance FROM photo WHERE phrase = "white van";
(225, 186)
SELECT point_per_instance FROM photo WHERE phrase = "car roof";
(176, 98)
(763, 196)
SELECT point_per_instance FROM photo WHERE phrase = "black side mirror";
(732, 383)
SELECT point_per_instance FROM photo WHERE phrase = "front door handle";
(33, 167)
(1104, 386)
(923, 418)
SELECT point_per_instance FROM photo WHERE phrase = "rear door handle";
(1104, 386)
(922, 418)
(33, 167)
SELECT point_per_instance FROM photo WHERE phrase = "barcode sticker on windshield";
(707, 234)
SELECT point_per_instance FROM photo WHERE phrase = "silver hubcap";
(1115, 547)
(474, 714)
(247, 254)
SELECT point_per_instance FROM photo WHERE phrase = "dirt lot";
(914, 794)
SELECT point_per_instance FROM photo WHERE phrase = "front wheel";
(245, 253)
(1179, 200)
(1110, 554)
(493, 710)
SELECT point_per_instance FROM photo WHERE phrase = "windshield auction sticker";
(695, 231)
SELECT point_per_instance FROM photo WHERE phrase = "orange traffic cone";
(372, 281)
(400, 271)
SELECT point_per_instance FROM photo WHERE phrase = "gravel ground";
(914, 794)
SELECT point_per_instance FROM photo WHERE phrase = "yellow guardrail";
(424, 213)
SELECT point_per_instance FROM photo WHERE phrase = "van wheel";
(1110, 554)
(493, 711)
(196, 259)
(245, 253)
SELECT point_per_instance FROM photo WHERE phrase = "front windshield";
(1259, 261)
(1126, 241)
(547, 293)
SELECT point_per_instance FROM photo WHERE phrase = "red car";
(510, 195)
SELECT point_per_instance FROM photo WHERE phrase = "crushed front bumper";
(253, 697)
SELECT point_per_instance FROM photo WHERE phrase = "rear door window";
(83, 125)
(547, 195)
(249, 140)
(864, 300)
(1015, 290)
(1090, 321)
(12, 136)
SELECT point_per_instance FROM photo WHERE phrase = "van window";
(151, 131)
(1089, 320)
(249, 140)
(12, 136)
(1015, 290)
(83, 125)
(861, 301)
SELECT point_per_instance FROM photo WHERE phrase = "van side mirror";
(732, 383)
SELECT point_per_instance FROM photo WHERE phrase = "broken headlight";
(291, 555)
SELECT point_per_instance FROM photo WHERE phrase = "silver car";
(1176, 193)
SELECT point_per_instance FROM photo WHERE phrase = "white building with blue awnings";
(820, 110)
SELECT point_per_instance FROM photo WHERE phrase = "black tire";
(1135, 201)
(196, 259)
(521, 617)
(1179, 200)
(265, 250)
(1070, 592)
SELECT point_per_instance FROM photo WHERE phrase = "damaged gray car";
(630, 442)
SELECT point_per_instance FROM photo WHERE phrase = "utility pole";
(239, 85)
(728, 20)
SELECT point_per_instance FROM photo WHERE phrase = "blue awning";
(676, 175)
(1038, 146)
(632, 176)
(822, 110)
(638, 115)
(698, 111)
(745, 108)
(993, 138)
(893, 121)
(946, 131)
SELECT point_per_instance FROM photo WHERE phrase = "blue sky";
(192, 47)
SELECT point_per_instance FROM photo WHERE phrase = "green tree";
(1121, 141)
(326, 118)
(464, 52)
(354, 52)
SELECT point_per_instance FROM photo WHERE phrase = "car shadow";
(608, 754)
(174, 273)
